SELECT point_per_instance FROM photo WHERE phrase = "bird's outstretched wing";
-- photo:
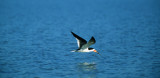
(91, 42)
(80, 41)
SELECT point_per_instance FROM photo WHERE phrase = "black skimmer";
(83, 46)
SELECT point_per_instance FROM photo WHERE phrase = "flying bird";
(83, 46)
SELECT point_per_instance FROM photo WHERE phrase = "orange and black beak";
(96, 52)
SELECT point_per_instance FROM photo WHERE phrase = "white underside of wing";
(78, 42)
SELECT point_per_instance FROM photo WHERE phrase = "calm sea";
(35, 38)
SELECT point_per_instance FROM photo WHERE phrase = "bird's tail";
(73, 51)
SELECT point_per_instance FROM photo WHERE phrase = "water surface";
(35, 38)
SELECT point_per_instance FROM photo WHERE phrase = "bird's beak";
(96, 51)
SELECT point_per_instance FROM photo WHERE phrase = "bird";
(83, 46)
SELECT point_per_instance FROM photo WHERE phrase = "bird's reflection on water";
(86, 70)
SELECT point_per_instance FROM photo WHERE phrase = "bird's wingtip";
(92, 37)
(71, 31)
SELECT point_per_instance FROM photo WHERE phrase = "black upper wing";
(80, 41)
(91, 42)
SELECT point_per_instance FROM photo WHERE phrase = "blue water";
(35, 38)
